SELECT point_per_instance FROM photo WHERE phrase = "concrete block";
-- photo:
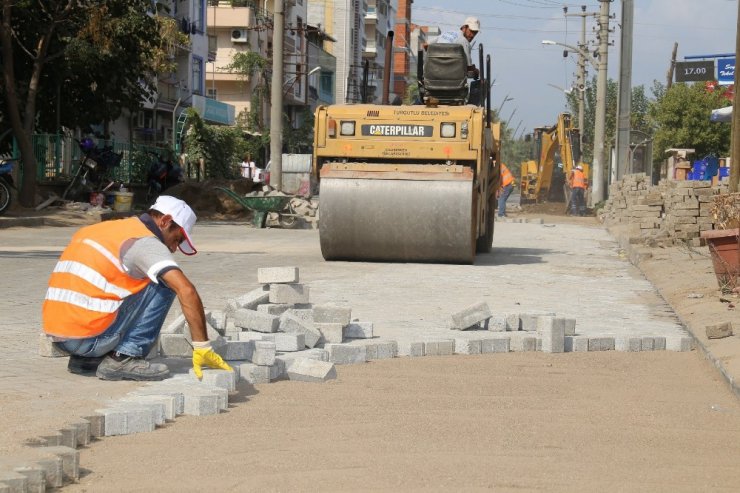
(168, 403)
(332, 314)
(155, 409)
(628, 344)
(719, 331)
(495, 345)
(647, 344)
(659, 343)
(470, 317)
(48, 349)
(467, 346)
(69, 437)
(97, 424)
(123, 421)
(330, 332)
(381, 350)
(497, 323)
(82, 431)
(200, 404)
(288, 293)
(276, 309)
(345, 354)
(177, 326)
(446, 348)
(552, 333)
(359, 330)
(217, 319)
(289, 342)
(679, 343)
(254, 374)
(35, 478)
(523, 344)
(70, 459)
(601, 344)
(277, 275)
(264, 353)
(175, 346)
(305, 315)
(249, 300)
(570, 326)
(413, 349)
(290, 323)
(236, 350)
(15, 481)
(277, 370)
(163, 394)
(224, 379)
(247, 336)
(513, 322)
(255, 321)
(579, 344)
(308, 370)
(529, 320)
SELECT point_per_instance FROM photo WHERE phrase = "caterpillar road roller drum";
(424, 217)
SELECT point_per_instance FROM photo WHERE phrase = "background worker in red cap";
(112, 287)
(463, 37)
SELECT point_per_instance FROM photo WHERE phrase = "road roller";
(411, 183)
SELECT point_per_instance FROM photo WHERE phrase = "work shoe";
(130, 368)
(81, 365)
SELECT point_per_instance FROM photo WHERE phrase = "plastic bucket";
(122, 201)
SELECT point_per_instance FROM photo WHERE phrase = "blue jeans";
(578, 202)
(505, 192)
(135, 328)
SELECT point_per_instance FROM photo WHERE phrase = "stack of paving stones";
(274, 332)
(670, 213)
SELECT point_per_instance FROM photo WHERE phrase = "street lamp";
(507, 98)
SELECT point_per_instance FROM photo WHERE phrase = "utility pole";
(581, 76)
(276, 99)
(624, 101)
(735, 152)
(599, 164)
(672, 67)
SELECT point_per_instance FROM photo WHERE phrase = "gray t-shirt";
(147, 257)
(456, 37)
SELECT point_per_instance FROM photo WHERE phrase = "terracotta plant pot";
(724, 248)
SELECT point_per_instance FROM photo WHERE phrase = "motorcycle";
(6, 183)
(161, 175)
(93, 172)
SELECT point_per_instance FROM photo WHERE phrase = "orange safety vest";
(506, 177)
(89, 282)
(578, 179)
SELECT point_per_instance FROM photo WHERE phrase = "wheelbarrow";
(262, 205)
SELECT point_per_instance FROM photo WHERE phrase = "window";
(212, 93)
(199, 16)
(326, 83)
(197, 81)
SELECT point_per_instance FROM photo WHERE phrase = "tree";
(681, 117)
(72, 63)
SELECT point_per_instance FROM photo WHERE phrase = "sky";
(522, 67)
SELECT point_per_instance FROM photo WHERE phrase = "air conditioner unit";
(239, 36)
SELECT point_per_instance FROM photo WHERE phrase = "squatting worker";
(507, 185)
(578, 185)
(463, 37)
(111, 290)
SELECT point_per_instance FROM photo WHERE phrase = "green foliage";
(299, 140)
(246, 63)
(681, 116)
(221, 148)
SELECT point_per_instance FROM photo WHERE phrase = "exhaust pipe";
(387, 69)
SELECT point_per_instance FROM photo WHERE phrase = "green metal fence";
(58, 157)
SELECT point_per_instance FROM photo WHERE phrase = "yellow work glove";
(203, 355)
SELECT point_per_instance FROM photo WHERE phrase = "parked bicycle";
(6, 183)
(94, 173)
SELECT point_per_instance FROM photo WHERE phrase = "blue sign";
(726, 71)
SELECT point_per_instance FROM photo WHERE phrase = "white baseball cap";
(579, 167)
(473, 24)
(183, 215)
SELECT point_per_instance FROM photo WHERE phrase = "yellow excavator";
(411, 183)
(538, 180)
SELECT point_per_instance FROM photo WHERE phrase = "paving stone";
(467, 346)
(119, 421)
(647, 344)
(381, 350)
(446, 348)
(175, 346)
(359, 330)
(289, 342)
(264, 353)
(529, 320)
(552, 332)
(276, 309)
(513, 322)
(35, 478)
(83, 434)
(332, 314)
(177, 396)
(48, 349)
(497, 323)
(217, 319)
(679, 343)
(70, 461)
(249, 300)
(719, 331)
(659, 343)
(277, 275)
(291, 323)
(254, 374)
(168, 403)
(69, 436)
(288, 293)
(570, 326)
(330, 332)
(470, 316)
(413, 349)
(345, 354)
(578, 344)
(236, 350)
(309, 370)
(628, 344)
(247, 336)
(15, 481)
(213, 335)
(601, 344)
(155, 409)
(256, 321)
(97, 424)
(177, 326)
(495, 345)
(224, 379)
(523, 343)
(277, 370)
